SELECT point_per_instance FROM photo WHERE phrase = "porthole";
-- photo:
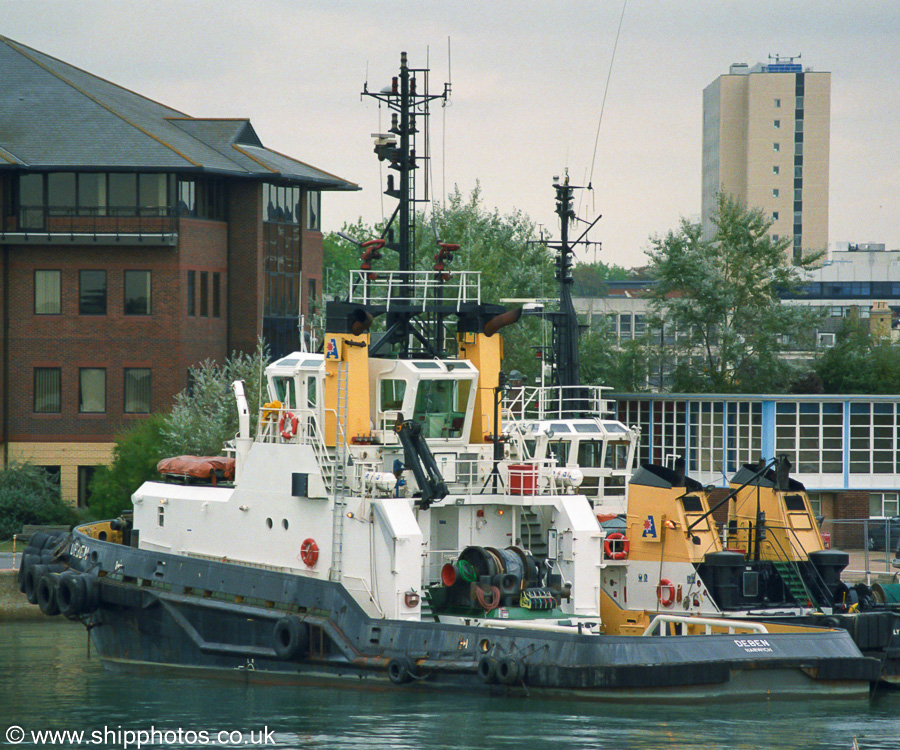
(269, 523)
(284, 524)
(484, 645)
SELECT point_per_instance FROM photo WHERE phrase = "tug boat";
(769, 562)
(375, 532)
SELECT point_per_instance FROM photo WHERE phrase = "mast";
(566, 373)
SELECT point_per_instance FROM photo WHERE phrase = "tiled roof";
(56, 116)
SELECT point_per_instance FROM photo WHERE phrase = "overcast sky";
(528, 80)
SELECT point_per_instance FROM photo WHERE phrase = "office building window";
(217, 295)
(775, 215)
(92, 293)
(137, 292)
(137, 390)
(191, 293)
(776, 169)
(47, 297)
(204, 294)
(91, 390)
(776, 146)
(775, 192)
(85, 475)
(625, 325)
(798, 104)
(313, 219)
(778, 104)
(47, 390)
(777, 123)
(61, 194)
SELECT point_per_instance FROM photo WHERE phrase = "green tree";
(204, 416)
(721, 296)
(134, 462)
(202, 420)
(589, 279)
(29, 495)
(859, 362)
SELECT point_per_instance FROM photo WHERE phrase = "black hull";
(161, 611)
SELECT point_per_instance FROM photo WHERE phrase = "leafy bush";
(29, 495)
(203, 419)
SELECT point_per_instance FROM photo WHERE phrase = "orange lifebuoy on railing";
(665, 585)
(309, 552)
(619, 554)
(288, 425)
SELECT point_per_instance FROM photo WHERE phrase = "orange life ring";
(288, 425)
(309, 552)
(607, 547)
(666, 584)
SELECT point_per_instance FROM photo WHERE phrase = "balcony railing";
(99, 224)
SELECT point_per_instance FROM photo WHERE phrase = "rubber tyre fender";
(46, 594)
(487, 669)
(400, 670)
(32, 577)
(290, 638)
(70, 594)
(510, 671)
(37, 541)
(29, 559)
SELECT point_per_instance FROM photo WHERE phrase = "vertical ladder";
(338, 484)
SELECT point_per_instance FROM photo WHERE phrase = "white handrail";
(708, 622)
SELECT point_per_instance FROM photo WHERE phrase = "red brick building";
(136, 241)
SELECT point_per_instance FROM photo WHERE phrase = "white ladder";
(339, 471)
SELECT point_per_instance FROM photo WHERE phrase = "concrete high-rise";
(766, 132)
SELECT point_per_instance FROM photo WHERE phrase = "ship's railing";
(556, 402)
(416, 288)
(690, 625)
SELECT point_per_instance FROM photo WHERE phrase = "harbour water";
(49, 682)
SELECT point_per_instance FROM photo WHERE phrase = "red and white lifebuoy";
(288, 425)
(619, 554)
(309, 552)
(665, 592)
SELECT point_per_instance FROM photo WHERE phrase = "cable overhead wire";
(605, 92)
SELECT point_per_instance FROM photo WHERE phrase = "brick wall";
(850, 504)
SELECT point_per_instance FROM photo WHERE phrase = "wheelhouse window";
(137, 390)
(137, 293)
(392, 393)
(92, 293)
(590, 453)
(91, 390)
(47, 390)
(47, 293)
(440, 407)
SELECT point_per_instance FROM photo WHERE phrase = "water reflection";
(48, 681)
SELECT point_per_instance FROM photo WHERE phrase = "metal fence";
(871, 543)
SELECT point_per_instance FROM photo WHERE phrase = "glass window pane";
(137, 292)
(61, 193)
(313, 219)
(122, 194)
(92, 293)
(47, 390)
(191, 292)
(392, 392)
(216, 295)
(204, 293)
(152, 193)
(92, 194)
(137, 391)
(47, 292)
(92, 390)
